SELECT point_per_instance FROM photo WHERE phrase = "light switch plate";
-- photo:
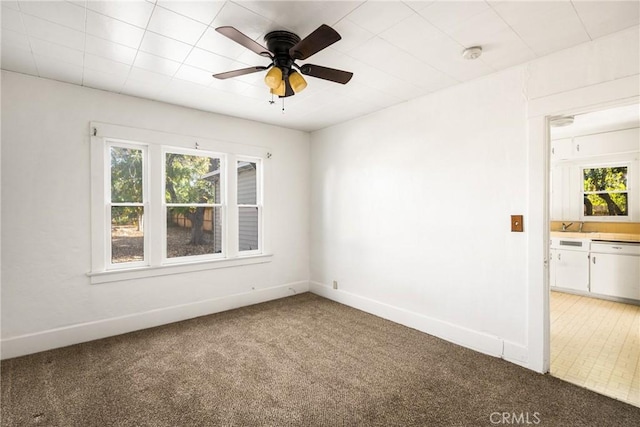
(516, 223)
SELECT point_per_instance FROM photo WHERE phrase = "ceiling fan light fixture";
(297, 82)
(273, 79)
(280, 90)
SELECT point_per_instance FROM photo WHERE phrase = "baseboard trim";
(75, 334)
(475, 340)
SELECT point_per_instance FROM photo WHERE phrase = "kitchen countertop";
(618, 237)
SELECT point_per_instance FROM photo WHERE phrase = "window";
(249, 206)
(193, 203)
(160, 206)
(127, 200)
(605, 191)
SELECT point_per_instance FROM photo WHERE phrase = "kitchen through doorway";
(594, 255)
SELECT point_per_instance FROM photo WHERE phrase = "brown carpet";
(299, 361)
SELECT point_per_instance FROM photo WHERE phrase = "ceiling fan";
(283, 49)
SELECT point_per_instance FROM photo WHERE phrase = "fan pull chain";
(283, 105)
(272, 101)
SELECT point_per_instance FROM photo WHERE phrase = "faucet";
(566, 226)
(580, 227)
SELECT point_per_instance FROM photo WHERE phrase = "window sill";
(165, 270)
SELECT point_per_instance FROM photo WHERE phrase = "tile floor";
(596, 344)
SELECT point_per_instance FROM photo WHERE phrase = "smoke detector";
(561, 121)
(473, 52)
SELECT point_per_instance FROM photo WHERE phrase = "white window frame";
(259, 202)
(631, 197)
(156, 144)
(222, 205)
(109, 143)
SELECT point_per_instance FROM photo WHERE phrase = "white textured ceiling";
(167, 50)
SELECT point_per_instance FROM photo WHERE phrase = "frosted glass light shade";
(297, 82)
(280, 90)
(273, 78)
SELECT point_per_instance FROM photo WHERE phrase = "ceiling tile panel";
(504, 49)
(16, 59)
(64, 13)
(201, 11)
(107, 49)
(244, 20)
(470, 32)
(552, 32)
(164, 47)
(301, 17)
(377, 16)
(113, 30)
(11, 4)
(353, 36)
(12, 20)
(56, 70)
(132, 12)
(57, 52)
(55, 33)
(213, 41)
(448, 15)
(606, 17)
(175, 26)
(194, 75)
(101, 80)
(98, 63)
(208, 61)
(147, 78)
(15, 39)
(154, 63)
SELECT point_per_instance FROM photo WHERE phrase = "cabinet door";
(621, 141)
(553, 255)
(616, 275)
(572, 270)
(561, 149)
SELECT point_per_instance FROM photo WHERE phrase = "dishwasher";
(615, 269)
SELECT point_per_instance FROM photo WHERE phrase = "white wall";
(47, 300)
(410, 206)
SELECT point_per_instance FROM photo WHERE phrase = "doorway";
(594, 256)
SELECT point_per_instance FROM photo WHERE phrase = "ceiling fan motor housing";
(279, 43)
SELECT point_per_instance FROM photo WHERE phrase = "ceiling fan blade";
(324, 36)
(240, 72)
(244, 40)
(325, 73)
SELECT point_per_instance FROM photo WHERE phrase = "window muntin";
(193, 185)
(249, 197)
(605, 191)
(126, 211)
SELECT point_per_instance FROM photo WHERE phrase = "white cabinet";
(569, 264)
(621, 141)
(615, 269)
(561, 149)
(599, 144)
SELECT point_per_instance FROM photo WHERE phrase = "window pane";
(247, 183)
(126, 175)
(606, 204)
(605, 179)
(127, 235)
(605, 191)
(192, 179)
(248, 221)
(193, 231)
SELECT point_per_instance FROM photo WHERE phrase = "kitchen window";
(605, 192)
(162, 207)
